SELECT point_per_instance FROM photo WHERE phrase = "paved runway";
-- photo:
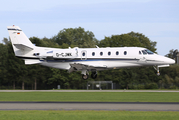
(128, 106)
(132, 106)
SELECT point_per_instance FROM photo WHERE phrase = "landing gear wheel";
(85, 77)
(94, 75)
(157, 68)
(158, 74)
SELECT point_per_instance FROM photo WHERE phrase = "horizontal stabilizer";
(22, 47)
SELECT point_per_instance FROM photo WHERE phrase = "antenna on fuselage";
(97, 46)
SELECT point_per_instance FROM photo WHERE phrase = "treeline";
(15, 75)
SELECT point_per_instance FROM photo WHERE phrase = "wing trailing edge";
(80, 66)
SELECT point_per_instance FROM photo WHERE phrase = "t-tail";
(20, 42)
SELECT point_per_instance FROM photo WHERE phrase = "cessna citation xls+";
(84, 59)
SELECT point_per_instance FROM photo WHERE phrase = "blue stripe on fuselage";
(79, 60)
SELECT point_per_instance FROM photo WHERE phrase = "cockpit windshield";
(146, 51)
(149, 52)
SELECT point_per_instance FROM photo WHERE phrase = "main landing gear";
(94, 75)
(85, 74)
(85, 77)
(157, 69)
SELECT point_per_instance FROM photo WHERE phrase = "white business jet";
(84, 59)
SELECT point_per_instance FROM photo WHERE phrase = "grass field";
(91, 96)
(88, 115)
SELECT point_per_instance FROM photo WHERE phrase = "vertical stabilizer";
(21, 44)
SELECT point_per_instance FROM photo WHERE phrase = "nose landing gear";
(157, 69)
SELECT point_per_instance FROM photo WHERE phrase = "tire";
(94, 75)
(85, 77)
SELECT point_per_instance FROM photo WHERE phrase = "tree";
(74, 37)
(3, 63)
(14, 66)
(170, 54)
(119, 41)
(128, 40)
(145, 41)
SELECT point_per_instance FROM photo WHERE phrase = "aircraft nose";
(170, 61)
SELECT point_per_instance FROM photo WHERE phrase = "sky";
(156, 19)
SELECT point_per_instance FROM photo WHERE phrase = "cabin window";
(109, 53)
(140, 53)
(83, 53)
(144, 52)
(101, 53)
(93, 53)
(117, 53)
(125, 52)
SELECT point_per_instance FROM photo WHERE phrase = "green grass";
(91, 96)
(88, 115)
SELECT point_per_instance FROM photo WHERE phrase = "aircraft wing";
(80, 66)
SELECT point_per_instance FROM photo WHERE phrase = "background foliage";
(15, 75)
